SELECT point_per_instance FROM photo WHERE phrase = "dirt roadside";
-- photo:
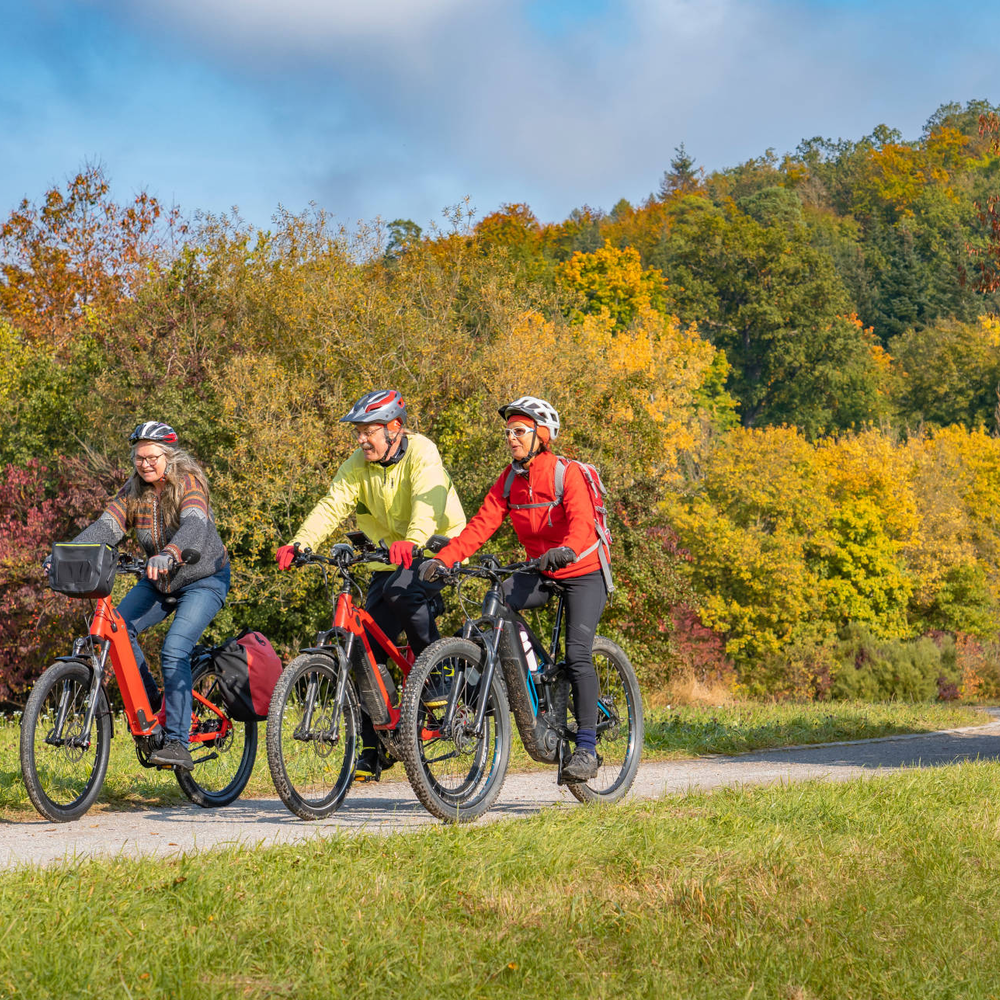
(391, 805)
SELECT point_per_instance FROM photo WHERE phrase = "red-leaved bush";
(38, 506)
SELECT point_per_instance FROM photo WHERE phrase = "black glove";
(47, 564)
(556, 558)
(436, 543)
(431, 569)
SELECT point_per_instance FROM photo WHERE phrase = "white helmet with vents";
(542, 412)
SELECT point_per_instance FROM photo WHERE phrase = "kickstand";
(559, 777)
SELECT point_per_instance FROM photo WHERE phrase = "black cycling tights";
(586, 597)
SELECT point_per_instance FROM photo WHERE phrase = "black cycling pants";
(586, 597)
(401, 602)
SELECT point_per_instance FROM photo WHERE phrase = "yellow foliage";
(990, 325)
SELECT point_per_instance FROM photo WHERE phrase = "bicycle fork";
(98, 662)
(304, 731)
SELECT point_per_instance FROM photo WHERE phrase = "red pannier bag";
(247, 668)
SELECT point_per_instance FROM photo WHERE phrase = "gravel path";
(391, 805)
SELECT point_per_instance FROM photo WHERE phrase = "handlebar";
(342, 556)
(131, 564)
(489, 568)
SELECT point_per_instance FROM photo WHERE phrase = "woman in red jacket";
(561, 536)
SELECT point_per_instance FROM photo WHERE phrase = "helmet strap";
(535, 448)
(390, 442)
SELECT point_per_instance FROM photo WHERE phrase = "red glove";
(401, 553)
(285, 556)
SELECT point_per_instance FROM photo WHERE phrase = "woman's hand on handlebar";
(431, 570)
(160, 565)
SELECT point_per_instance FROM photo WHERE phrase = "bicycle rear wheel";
(311, 740)
(221, 780)
(455, 774)
(64, 767)
(619, 726)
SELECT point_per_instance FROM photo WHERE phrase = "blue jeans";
(197, 604)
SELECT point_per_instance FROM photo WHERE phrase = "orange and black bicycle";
(314, 721)
(68, 723)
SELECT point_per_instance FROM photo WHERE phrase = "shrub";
(870, 669)
(37, 506)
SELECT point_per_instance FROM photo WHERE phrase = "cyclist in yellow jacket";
(401, 494)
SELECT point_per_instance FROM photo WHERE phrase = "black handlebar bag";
(83, 570)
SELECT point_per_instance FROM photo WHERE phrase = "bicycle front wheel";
(312, 740)
(619, 726)
(455, 773)
(64, 766)
(221, 779)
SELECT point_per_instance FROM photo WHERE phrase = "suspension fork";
(486, 681)
(97, 667)
(342, 658)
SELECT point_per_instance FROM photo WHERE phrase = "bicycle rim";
(459, 775)
(63, 778)
(221, 779)
(311, 742)
(619, 726)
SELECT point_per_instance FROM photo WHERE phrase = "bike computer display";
(360, 541)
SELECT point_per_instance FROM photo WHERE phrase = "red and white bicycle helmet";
(153, 430)
(542, 412)
(378, 407)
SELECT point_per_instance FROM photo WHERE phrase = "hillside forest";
(787, 371)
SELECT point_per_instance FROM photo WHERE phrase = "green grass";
(877, 888)
(743, 726)
(683, 732)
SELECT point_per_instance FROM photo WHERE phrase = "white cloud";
(397, 95)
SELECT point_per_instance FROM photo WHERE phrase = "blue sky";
(400, 108)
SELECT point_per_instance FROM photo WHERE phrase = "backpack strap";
(603, 544)
(509, 482)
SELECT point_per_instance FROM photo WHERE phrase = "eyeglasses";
(147, 460)
(517, 432)
(368, 431)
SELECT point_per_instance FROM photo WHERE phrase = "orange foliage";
(78, 254)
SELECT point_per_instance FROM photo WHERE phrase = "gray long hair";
(180, 463)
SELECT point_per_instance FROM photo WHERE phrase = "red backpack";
(597, 492)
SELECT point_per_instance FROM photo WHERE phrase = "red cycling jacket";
(572, 521)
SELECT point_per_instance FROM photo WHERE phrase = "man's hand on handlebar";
(401, 553)
(285, 556)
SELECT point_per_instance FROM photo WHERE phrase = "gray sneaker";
(582, 766)
(173, 753)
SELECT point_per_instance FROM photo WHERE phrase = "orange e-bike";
(68, 723)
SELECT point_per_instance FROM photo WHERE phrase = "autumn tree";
(77, 253)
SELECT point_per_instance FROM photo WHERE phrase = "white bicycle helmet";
(542, 412)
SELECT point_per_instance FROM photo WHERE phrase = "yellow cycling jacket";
(412, 499)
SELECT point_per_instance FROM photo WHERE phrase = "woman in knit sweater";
(165, 502)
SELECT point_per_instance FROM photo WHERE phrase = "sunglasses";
(518, 432)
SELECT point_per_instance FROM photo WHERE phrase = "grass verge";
(876, 888)
(670, 733)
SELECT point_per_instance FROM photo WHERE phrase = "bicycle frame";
(352, 625)
(530, 695)
(108, 639)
